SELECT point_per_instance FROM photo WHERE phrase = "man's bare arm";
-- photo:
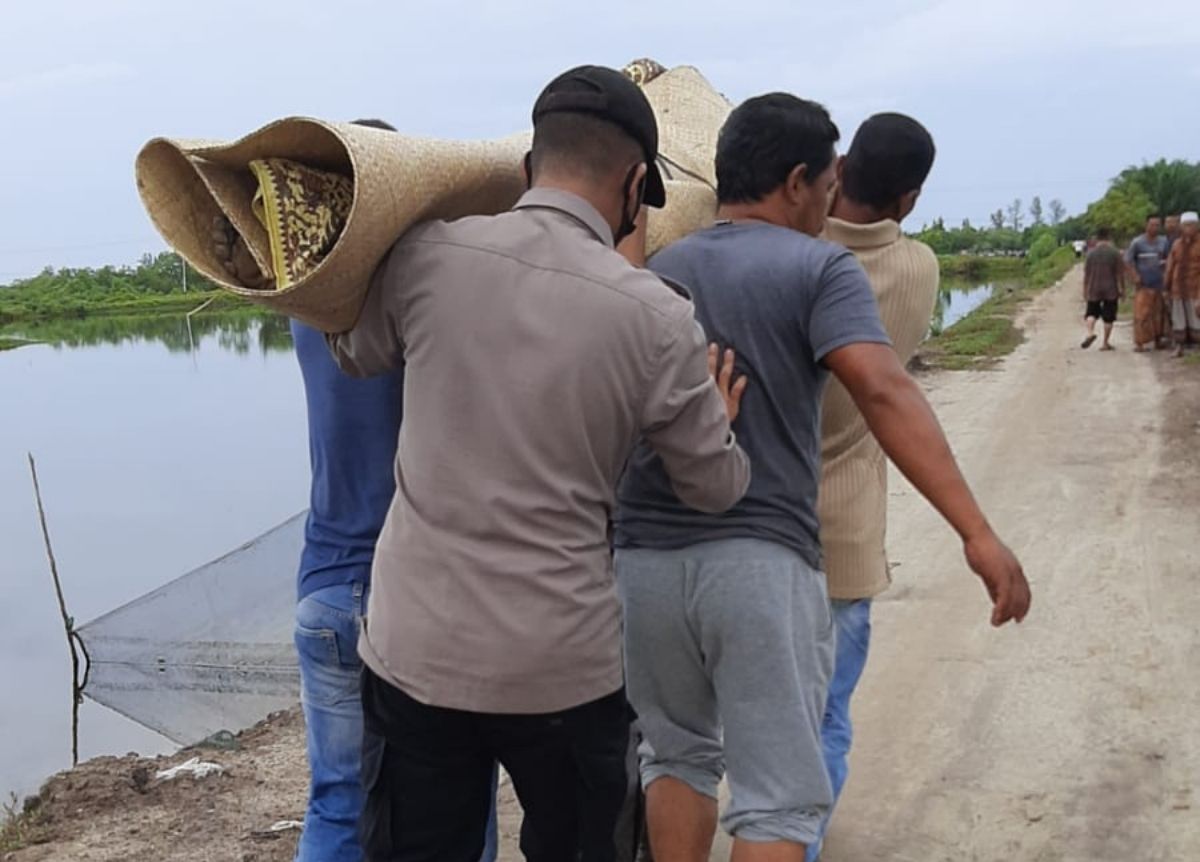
(905, 426)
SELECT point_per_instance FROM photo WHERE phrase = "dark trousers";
(428, 776)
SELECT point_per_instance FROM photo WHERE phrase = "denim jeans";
(326, 636)
(852, 623)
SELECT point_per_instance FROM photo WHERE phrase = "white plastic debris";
(195, 767)
(286, 826)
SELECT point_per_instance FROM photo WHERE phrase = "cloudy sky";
(1024, 97)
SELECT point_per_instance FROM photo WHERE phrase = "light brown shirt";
(535, 356)
(852, 504)
(1183, 269)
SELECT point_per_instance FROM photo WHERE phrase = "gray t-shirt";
(1147, 256)
(783, 301)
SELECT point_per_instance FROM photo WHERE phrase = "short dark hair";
(890, 156)
(583, 144)
(763, 141)
(1103, 233)
(1153, 217)
(374, 124)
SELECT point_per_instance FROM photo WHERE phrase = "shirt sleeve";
(684, 421)
(1131, 253)
(844, 311)
(375, 344)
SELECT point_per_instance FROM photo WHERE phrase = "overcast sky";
(1024, 97)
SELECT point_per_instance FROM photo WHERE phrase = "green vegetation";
(990, 332)
(976, 267)
(21, 825)
(155, 285)
(1162, 188)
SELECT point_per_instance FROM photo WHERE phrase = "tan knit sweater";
(853, 497)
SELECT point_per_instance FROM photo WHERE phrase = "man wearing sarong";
(1183, 282)
(1146, 259)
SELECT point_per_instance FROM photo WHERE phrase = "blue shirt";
(353, 429)
(783, 301)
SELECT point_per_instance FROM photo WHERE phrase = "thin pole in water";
(68, 620)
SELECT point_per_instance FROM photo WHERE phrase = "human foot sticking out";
(235, 256)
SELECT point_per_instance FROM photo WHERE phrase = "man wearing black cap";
(535, 357)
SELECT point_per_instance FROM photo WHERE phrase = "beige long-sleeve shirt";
(535, 357)
(852, 504)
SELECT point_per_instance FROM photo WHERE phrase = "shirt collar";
(570, 204)
(862, 236)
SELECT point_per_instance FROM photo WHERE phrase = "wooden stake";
(68, 621)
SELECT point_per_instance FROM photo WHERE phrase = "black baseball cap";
(610, 95)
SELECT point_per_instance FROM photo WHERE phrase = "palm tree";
(1173, 187)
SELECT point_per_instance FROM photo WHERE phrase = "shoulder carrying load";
(318, 203)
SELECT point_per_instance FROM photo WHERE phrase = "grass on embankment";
(19, 309)
(20, 826)
(990, 332)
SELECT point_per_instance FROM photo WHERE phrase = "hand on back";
(721, 369)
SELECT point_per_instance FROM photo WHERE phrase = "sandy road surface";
(1077, 735)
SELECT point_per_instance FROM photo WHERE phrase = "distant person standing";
(1103, 287)
(1146, 259)
(1183, 282)
(1080, 246)
(1171, 229)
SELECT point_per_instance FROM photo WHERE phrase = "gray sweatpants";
(728, 653)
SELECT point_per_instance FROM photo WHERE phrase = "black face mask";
(629, 223)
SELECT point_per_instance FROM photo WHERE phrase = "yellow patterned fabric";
(643, 71)
(303, 211)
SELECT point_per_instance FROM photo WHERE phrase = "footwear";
(1088, 342)
(1108, 347)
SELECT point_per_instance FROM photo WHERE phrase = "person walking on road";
(1103, 288)
(729, 634)
(880, 181)
(535, 357)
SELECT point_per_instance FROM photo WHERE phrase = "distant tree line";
(1162, 188)
(76, 291)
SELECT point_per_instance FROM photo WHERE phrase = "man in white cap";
(1183, 282)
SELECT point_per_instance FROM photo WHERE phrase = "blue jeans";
(327, 622)
(852, 622)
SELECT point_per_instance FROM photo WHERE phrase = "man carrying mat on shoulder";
(535, 357)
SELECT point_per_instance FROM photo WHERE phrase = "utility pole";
(183, 269)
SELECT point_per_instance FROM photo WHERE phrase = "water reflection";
(958, 297)
(239, 332)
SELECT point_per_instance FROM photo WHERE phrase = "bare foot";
(235, 256)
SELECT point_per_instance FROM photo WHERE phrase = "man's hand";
(1002, 575)
(722, 372)
(235, 256)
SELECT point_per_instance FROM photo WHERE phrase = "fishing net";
(209, 651)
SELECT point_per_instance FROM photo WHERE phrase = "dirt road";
(1074, 737)
(1077, 735)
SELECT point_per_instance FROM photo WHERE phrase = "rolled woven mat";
(398, 181)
